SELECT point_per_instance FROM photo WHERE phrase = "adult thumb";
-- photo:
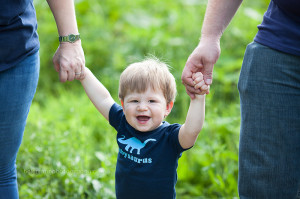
(208, 73)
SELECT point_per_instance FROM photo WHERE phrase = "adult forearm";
(217, 17)
(64, 14)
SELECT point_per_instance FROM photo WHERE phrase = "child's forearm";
(194, 122)
(93, 87)
(195, 116)
(97, 93)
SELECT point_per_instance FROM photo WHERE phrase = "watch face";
(72, 37)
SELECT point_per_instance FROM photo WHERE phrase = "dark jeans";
(17, 88)
(269, 152)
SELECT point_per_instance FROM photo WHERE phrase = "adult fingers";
(192, 89)
(208, 73)
(66, 71)
(63, 75)
(187, 74)
(71, 75)
(55, 63)
(69, 59)
(192, 95)
(73, 69)
(79, 75)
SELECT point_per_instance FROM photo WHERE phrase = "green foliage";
(69, 150)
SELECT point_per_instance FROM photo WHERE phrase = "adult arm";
(97, 93)
(69, 57)
(217, 17)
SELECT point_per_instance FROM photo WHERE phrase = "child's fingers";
(199, 84)
(197, 75)
(193, 76)
(198, 80)
(204, 87)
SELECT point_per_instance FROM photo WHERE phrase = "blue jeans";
(17, 88)
(269, 151)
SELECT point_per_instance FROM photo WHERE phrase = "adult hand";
(69, 61)
(201, 60)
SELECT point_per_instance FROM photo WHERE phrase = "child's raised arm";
(97, 93)
(189, 131)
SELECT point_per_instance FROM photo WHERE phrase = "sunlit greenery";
(69, 150)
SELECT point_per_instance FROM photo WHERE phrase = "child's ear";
(169, 108)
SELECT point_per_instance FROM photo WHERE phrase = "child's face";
(146, 111)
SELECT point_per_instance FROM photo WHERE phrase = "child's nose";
(142, 106)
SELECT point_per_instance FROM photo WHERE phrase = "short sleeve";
(173, 131)
(115, 115)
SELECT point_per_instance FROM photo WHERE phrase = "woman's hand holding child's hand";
(199, 83)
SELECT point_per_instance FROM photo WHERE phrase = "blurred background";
(70, 151)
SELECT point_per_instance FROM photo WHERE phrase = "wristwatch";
(70, 38)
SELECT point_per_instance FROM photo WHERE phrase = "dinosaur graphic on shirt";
(134, 143)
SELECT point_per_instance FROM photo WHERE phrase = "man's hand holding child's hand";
(199, 83)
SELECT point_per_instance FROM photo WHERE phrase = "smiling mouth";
(143, 119)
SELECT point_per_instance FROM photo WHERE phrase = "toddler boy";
(149, 147)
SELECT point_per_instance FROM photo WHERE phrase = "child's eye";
(152, 101)
(134, 101)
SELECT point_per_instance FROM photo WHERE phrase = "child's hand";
(199, 83)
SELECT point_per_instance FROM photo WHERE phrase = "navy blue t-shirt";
(147, 161)
(18, 32)
(280, 28)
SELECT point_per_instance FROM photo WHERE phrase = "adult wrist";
(209, 39)
(71, 38)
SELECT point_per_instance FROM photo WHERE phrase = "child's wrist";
(199, 96)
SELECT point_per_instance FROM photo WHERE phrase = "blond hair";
(151, 72)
